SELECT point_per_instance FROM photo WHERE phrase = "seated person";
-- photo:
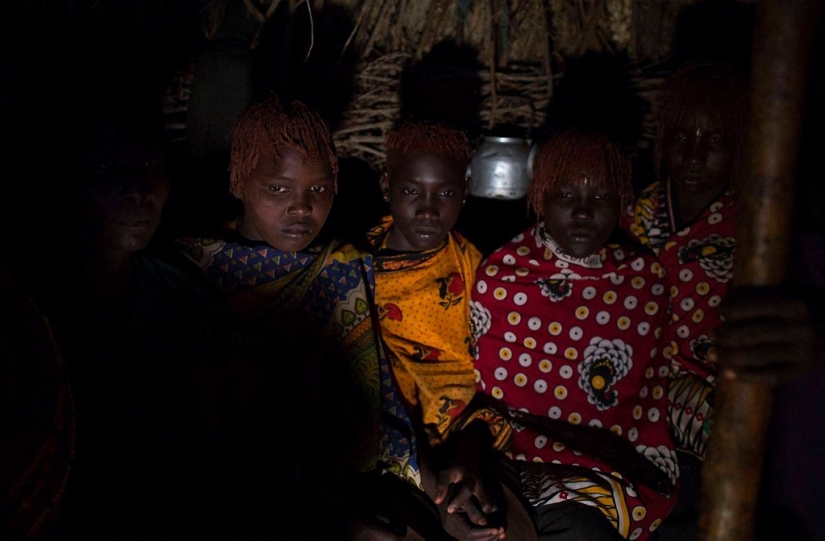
(688, 219)
(424, 272)
(570, 371)
(131, 328)
(293, 296)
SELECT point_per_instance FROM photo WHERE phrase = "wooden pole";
(783, 39)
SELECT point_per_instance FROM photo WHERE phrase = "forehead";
(585, 183)
(425, 166)
(289, 162)
(706, 118)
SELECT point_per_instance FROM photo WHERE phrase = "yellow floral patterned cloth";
(423, 301)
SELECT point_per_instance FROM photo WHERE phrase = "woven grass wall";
(522, 48)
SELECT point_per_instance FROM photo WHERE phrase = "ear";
(385, 185)
(236, 189)
(468, 183)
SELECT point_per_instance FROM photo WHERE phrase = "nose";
(582, 211)
(301, 205)
(427, 208)
(696, 151)
(143, 189)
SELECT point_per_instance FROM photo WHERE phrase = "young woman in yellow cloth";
(424, 272)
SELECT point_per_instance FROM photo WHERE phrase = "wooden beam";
(782, 44)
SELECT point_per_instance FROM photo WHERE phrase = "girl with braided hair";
(570, 376)
(688, 219)
(424, 271)
(303, 313)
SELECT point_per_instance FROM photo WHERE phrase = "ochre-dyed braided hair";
(271, 123)
(574, 156)
(423, 136)
(713, 89)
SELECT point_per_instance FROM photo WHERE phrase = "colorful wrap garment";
(334, 285)
(698, 259)
(571, 346)
(423, 304)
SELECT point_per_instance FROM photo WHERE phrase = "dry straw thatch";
(522, 45)
(513, 40)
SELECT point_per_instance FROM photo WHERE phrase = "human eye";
(604, 196)
(563, 194)
(319, 189)
(275, 189)
(715, 139)
(447, 193)
(679, 135)
(410, 191)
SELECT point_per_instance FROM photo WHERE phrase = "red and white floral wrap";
(578, 341)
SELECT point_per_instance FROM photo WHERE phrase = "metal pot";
(501, 168)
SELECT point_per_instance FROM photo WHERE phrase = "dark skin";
(580, 217)
(426, 192)
(770, 335)
(123, 206)
(467, 491)
(698, 160)
(286, 198)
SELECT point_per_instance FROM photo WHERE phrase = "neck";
(108, 277)
(593, 261)
(688, 207)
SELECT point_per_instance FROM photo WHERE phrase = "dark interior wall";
(63, 63)
(60, 56)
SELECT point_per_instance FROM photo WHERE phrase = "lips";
(426, 230)
(137, 223)
(581, 235)
(297, 230)
(692, 176)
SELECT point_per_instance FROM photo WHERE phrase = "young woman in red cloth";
(688, 219)
(569, 364)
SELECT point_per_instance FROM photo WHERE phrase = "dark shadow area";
(296, 57)
(358, 205)
(715, 31)
(300, 58)
(444, 86)
(489, 223)
(596, 93)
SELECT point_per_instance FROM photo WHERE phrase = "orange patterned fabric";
(423, 303)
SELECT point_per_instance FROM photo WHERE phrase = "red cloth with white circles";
(578, 340)
(698, 259)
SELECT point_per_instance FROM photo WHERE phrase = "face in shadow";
(124, 200)
(426, 192)
(698, 157)
(286, 198)
(580, 217)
